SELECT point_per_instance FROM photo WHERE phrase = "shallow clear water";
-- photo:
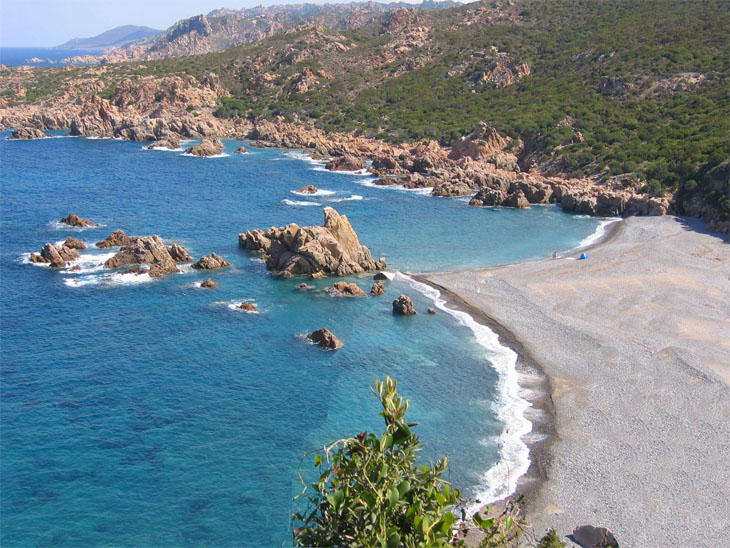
(154, 414)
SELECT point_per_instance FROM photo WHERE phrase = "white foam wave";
(57, 225)
(164, 149)
(304, 157)
(108, 279)
(354, 197)
(320, 192)
(236, 307)
(599, 233)
(221, 155)
(370, 182)
(358, 172)
(297, 203)
(501, 479)
(25, 259)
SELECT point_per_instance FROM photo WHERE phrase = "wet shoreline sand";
(625, 358)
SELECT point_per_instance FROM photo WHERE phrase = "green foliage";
(502, 530)
(551, 540)
(370, 492)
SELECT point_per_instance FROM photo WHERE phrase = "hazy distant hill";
(116, 37)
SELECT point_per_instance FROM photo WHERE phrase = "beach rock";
(589, 536)
(73, 243)
(380, 276)
(309, 189)
(208, 283)
(325, 338)
(403, 306)
(211, 262)
(377, 289)
(76, 221)
(171, 143)
(26, 133)
(241, 150)
(347, 290)
(116, 238)
(315, 250)
(431, 311)
(145, 250)
(208, 147)
(179, 254)
(248, 307)
(346, 162)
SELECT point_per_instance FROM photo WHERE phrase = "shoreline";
(549, 501)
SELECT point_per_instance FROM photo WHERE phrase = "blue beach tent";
(583, 256)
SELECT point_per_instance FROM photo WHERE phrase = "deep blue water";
(14, 57)
(152, 414)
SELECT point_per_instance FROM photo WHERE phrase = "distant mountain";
(117, 37)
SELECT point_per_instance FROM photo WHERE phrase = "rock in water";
(380, 276)
(208, 147)
(345, 163)
(116, 238)
(75, 220)
(145, 250)
(589, 536)
(403, 306)
(179, 254)
(211, 262)
(26, 133)
(314, 250)
(325, 338)
(309, 189)
(348, 290)
(73, 243)
(241, 150)
(377, 289)
(248, 307)
(208, 284)
(171, 143)
(431, 311)
(56, 255)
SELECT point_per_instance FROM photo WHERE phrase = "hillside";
(115, 37)
(583, 88)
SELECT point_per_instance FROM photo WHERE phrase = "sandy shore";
(633, 429)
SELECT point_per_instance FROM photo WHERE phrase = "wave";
(597, 234)
(221, 155)
(359, 172)
(111, 279)
(57, 225)
(370, 182)
(296, 203)
(320, 192)
(354, 197)
(164, 149)
(234, 305)
(304, 157)
(500, 480)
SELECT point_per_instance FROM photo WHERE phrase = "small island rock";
(76, 221)
(116, 238)
(26, 133)
(431, 311)
(347, 290)
(209, 284)
(55, 255)
(403, 306)
(325, 338)
(211, 262)
(145, 250)
(309, 189)
(241, 150)
(248, 307)
(73, 243)
(171, 143)
(208, 147)
(377, 289)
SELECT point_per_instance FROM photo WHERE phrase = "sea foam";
(297, 203)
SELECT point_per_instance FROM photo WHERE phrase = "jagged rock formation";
(325, 338)
(145, 250)
(377, 289)
(313, 250)
(73, 243)
(56, 255)
(76, 221)
(208, 147)
(211, 262)
(403, 306)
(179, 254)
(309, 189)
(346, 290)
(116, 238)
(344, 163)
(26, 133)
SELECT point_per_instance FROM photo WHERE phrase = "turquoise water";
(140, 414)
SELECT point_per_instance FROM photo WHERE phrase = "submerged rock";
(116, 238)
(325, 338)
(315, 250)
(403, 306)
(73, 243)
(208, 147)
(377, 289)
(211, 262)
(208, 283)
(345, 289)
(76, 221)
(145, 250)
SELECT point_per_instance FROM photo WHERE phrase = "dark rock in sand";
(179, 254)
(72, 243)
(589, 536)
(241, 150)
(309, 189)
(26, 133)
(79, 222)
(325, 338)
(211, 262)
(380, 276)
(208, 147)
(209, 283)
(344, 163)
(377, 289)
(145, 250)
(403, 306)
(248, 307)
(116, 238)
(347, 290)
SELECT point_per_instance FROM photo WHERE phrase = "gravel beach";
(635, 344)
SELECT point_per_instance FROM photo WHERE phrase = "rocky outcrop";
(211, 262)
(241, 150)
(116, 238)
(76, 221)
(26, 133)
(325, 338)
(145, 250)
(377, 289)
(171, 143)
(315, 250)
(248, 307)
(403, 306)
(179, 254)
(56, 255)
(345, 163)
(380, 276)
(208, 284)
(481, 144)
(208, 147)
(73, 243)
(309, 189)
(346, 290)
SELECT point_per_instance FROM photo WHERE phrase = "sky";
(48, 23)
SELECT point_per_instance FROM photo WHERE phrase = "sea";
(141, 412)
(50, 57)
